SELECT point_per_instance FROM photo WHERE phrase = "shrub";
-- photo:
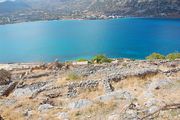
(154, 56)
(73, 76)
(173, 56)
(124, 64)
(101, 59)
(5, 75)
(69, 62)
(81, 60)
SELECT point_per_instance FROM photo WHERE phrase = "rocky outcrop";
(119, 94)
(29, 90)
(5, 77)
(44, 107)
(7, 89)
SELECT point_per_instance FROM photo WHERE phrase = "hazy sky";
(6, 0)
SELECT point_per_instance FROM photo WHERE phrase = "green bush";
(101, 59)
(154, 56)
(124, 64)
(173, 56)
(73, 76)
(81, 60)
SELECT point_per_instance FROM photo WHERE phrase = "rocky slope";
(128, 90)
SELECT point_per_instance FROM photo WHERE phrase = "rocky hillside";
(125, 90)
(32, 10)
(138, 8)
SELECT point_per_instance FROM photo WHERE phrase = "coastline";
(172, 17)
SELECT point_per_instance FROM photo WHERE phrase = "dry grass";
(96, 109)
(90, 93)
(65, 78)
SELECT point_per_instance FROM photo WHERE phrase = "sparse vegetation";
(171, 56)
(81, 60)
(72, 76)
(101, 59)
(154, 56)
(97, 108)
(124, 64)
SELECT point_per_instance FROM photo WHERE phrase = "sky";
(6, 0)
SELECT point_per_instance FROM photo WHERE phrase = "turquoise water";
(72, 39)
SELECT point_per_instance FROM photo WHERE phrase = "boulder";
(132, 113)
(44, 107)
(7, 89)
(152, 109)
(5, 77)
(22, 92)
(120, 94)
(159, 83)
(8, 102)
(80, 104)
(62, 114)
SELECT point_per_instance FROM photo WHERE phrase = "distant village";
(39, 15)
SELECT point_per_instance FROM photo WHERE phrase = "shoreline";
(85, 20)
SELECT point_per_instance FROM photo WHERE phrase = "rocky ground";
(129, 90)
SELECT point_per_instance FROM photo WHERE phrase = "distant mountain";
(8, 7)
(31, 10)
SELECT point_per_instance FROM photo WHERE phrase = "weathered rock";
(114, 117)
(132, 113)
(5, 77)
(7, 89)
(44, 107)
(152, 109)
(80, 104)
(152, 101)
(159, 83)
(107, 86)
(120, 94)
(22, 92)
(8, 102)
(62, 115)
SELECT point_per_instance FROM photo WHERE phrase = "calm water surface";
(72, 39)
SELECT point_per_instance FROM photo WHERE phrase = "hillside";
(125, 90)
(33, 10)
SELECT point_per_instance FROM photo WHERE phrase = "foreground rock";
(7, 89)
(120, 94)
(101, 91)
(44, 107)
(80, 104)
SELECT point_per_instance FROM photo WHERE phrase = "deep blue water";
(72, 39)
